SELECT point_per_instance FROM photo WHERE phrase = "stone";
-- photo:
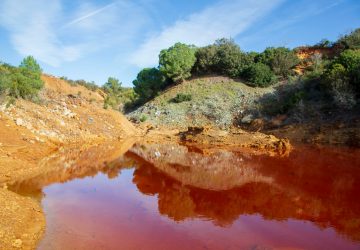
(19, 122)
(247, 119)
(17, 243)
(157, 154)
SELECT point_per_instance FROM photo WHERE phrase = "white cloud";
(32, 30)
(224, 19)
(42, 28)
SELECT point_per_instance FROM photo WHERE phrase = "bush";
(350, 59)
(177, 61)
(148, 83)
(260, 75)
(143, 118)
(205, 60)
(181, 98)
(324, 43)
(350, 41)
(30, 64)
(337, 82)
(229, 59)
(281, 60)
(118, 97)
(224, 57)
(112, 86)
(89, 85)
(22, 82)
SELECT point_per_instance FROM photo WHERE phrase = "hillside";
(67, 114)
(215, 101)
(294, 110)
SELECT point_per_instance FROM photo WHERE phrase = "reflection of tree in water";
(174, 200)
(293, 195)
(222, 207)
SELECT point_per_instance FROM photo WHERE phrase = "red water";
(312, 202)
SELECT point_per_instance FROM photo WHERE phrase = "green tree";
(350, 41)
(177, 61)
(148, 83)
(19, 82)
(338, 82)
(260, 75)
(113, 90)
(31, 64)
(205, 60)
(350, 59)
(113, 86)
(281, 60)
(229, 59)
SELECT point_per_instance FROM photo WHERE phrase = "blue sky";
(95, 39)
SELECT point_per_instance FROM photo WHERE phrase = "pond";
(177, 197)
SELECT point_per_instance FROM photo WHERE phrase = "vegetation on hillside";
(148, 83)
(177, 61)
(117, 97)
(331, 73)
(21, 82)
(224, 57)
(336, 74)
(89, 85)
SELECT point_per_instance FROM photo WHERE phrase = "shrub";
(229, 59)
(112, 86)
(181, 97)
(350, 41)
(260, 75)
(324, 43)
(22, 82)
(30, 64)
(205, 60)
(224, 57)
(148, 83)
(177, 61)
(350, 59)
(89, 85)
(337, 82)
(281, 60)
(143, 118)
(113, 89)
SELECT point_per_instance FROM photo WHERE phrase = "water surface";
(308, 200)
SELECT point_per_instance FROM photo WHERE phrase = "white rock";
(247, 119)
(157, 154)
(19, 122)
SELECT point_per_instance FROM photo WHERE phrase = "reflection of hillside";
(317, 185)
(219, 170)
(72, 163)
